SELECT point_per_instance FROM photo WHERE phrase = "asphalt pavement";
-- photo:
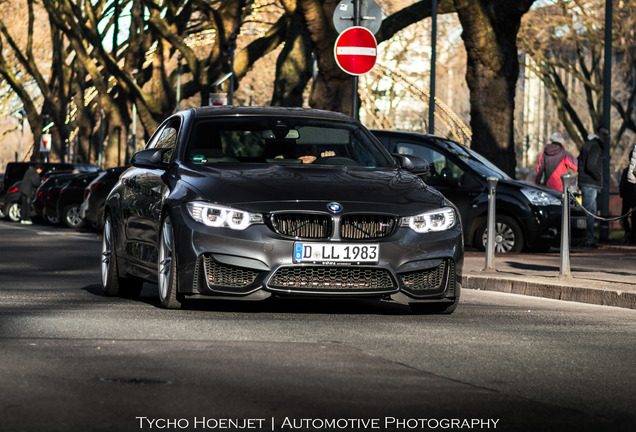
(602, 276)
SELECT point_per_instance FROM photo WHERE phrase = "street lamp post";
(356, 81)
(232, 48)
(431, 103)
(179, 59)
(607, 106)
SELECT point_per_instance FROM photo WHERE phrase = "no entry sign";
(356, 50)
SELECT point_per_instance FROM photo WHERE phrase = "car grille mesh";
(332, 278)
(318, 226)
(429, 279)
(363, 227)
(301, 225)
(221, 275)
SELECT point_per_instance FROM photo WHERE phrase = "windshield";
(282, 141)
(477, 162)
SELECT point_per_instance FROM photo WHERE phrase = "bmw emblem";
(334, 207)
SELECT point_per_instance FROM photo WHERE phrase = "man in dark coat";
(29, 185)
(591, 177)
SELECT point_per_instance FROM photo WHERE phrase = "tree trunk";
(490, 33)
(294, 65)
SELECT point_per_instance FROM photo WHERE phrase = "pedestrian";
(554, 162)
(591, 178)
(627, 191)
(30, 183)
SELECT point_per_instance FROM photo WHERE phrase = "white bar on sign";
(356, 51)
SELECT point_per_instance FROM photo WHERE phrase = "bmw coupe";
(248, 203)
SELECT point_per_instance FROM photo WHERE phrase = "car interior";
(251, 142)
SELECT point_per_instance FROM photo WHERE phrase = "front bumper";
(544, 228)
(256, 263)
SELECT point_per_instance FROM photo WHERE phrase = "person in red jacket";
(554, 162)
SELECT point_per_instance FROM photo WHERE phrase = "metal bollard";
(568, 181)
(490, 235)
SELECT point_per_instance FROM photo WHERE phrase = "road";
(74, 360)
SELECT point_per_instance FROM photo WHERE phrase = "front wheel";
(167, 267)
(112, 284)
(52, 220)
(72, 217)
(508, 235)
(13, 212)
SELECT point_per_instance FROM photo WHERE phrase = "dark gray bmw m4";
(248, 203)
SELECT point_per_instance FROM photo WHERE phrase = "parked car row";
(14, 171)
(59, 198)
(74, 198)
(92, 208)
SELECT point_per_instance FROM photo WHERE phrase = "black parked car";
(92, 208)
(224, 204)
(70, 199)
(527, 216)
(45, 201)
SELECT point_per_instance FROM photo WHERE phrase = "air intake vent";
(433, 280)
(221, 275)
(324, 279)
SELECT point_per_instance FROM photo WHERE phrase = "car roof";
(419, 135)
(229, 110)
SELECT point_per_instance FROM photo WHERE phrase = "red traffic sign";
(356, 50)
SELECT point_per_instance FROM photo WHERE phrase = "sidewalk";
(603, 276)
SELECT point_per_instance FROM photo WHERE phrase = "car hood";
(273, 188)
(527, 184)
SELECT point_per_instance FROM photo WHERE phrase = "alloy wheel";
(73, 217)
(505, 238)
(14, 212)
(165, 259)
(106, 251)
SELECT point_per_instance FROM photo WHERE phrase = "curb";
(602, 296)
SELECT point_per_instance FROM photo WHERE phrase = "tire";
(433, 308)
(167, 271)
(112, 284)
(72, 217)
(508, 236)
(13, 212)
(52, 220)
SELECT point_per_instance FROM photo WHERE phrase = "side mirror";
(150, 158)
(413, 164)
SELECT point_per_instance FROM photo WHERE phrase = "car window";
(482, 166)
(443, 171)
(282, 141)
(166, 138)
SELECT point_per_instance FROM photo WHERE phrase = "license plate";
(336, 252)
(581, 223)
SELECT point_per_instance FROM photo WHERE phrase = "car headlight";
(220, 216)
(436, 220)
(539, 197)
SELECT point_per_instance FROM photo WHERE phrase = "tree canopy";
(115, 61)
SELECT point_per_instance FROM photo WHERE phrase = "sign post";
(356, 53)
(368, 12)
